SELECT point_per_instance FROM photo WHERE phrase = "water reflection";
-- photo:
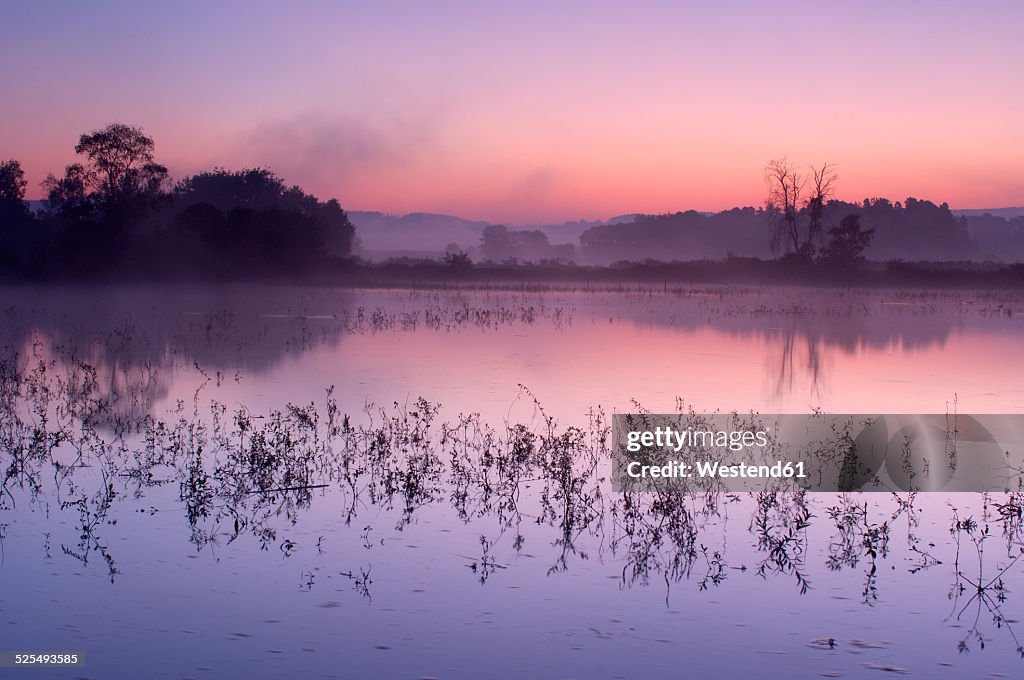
(170, 403)
(237, 475)
(814, 348)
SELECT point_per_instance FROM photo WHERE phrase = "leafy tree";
(237, 213)
(458, 260)
(110, 216)
(67, 198)
(912, 229)
(102, 209)
(847, 243)
(272, 241)
(253, 188)
(12, 186)
(496, 243)
(120, 163)
(14, 216)
(118, 183)
(530, 244)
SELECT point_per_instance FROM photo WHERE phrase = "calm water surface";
(167, 513)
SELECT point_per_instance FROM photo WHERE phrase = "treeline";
(673, 274)
(911, 230)
(500, 244)
(117, 215)
(998, 237)
(689, 235)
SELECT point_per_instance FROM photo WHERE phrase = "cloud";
(330, 154)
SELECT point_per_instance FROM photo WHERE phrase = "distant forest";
(910, 230)
(801, 220)
(117, 215)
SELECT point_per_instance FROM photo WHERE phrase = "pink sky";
(529, 113)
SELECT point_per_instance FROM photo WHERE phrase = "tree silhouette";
(823, 180)
(912, 229)
(249, 223)
(12, 185)
(496, 243)
(118, 184)
(67, 198)
(797, 216)
(110, 217)
(847, 243)
(253, 188)
(14, 215)
(120, 163)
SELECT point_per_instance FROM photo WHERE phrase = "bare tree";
(798, 210)
(785, 192)
(824, 180)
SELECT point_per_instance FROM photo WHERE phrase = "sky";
(530, 112)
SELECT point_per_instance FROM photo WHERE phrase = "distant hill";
(380, 232)
(1006, 213)
(569, 232)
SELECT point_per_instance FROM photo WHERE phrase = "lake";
(261, 481)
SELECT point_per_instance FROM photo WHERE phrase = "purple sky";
(527, 112)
